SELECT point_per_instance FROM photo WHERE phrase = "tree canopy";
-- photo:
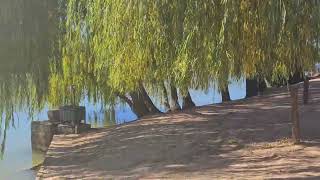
(25, 33)
(112, 47)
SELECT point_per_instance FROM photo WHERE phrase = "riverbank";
(242, 139)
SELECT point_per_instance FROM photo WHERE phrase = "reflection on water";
(18, 153)
(119, 114)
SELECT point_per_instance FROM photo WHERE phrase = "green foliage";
(24, 65)
(278, 35)
(189, 43)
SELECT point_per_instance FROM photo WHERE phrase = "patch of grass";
(232, 141)
(276, 144)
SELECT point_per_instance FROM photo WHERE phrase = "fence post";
(306, 90)
(295, 113)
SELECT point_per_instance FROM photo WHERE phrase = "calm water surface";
(19, 158)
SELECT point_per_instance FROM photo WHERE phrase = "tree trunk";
(147, 101)
(187, 101)
(262, 85)
(306, 85)
(225, 94)
(255, 87)
(166, 97)
(296, 77)
(139, 102)
(295, 114)
(174, 105)
(251, 87)
(137, 105)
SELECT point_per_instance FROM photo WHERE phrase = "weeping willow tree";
(123, 49)
(26, 27)
(278, 39)
(118, 53)
(126, 47)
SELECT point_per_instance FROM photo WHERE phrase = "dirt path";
(246, 139)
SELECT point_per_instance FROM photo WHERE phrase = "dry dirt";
(246, 139)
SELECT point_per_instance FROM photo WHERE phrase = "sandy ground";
(245, 139)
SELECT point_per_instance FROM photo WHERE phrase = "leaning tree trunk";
(251, 87)
(136, 104)
(147, 100)
(174, 101)
(225, 94)
(187, 101)
(139, 102)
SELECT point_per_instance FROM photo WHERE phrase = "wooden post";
(306, 91)
(295, 113)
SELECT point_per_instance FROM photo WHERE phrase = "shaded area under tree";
(240, 139)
